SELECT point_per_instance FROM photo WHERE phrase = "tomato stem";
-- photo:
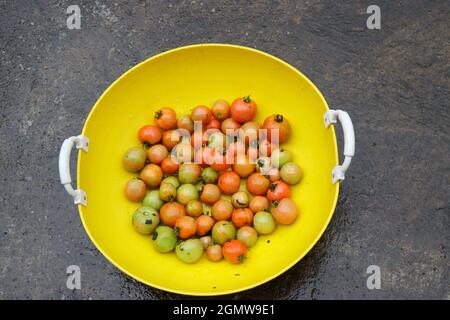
(275, 203)
(247, 99)
(241, 257)
(158, 114)
(278, 118)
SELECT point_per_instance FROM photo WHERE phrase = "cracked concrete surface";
(394, 206)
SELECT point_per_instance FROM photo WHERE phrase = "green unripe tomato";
(223, 231)
(186, 193)
(145, 220)
(167, 192)
(247, 235)
(291, 173)
(134, 159)
(172, 180)
(263, 222)
(189, 251)
(153, 200)
(189, 173)
(209, 175)
(199, 186)
(217, 140)
(280, 156)
(164, 239)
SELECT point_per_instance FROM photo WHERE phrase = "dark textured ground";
(394, 206)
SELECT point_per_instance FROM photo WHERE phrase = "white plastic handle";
(331, 117)
(80, 142)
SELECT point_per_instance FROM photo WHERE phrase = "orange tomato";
(151, 175)
(249, 132)
(150, 134)
(201, 113)
(220, 109)
(213, 124)
(170, 212)
(285, 212)
(229, 182)
(210, 193)
(243, 109)
(169, 165)
(278, 190)
(135, 190)
(234, 251)
(259, 203)
(222, 210)
(157, 153)
(257, 184)
(229, 126)
(185, 122)
(194, 208)
(214, 253)
(218, 161)
(185, 227)
(166, 118)
(204, 224)
(277, 123)
(242, 217)
(243, 166)
(171, 138)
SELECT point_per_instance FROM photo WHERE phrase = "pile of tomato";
(212, 180)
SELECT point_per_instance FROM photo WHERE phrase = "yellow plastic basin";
(183, 78)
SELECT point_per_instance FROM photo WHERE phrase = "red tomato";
(285, 212)
(171, 138)
(185, 227)
(243, 166)
(152, 175)
(169, 165)
(234, 251)
(235, 148)
(204, 224)
(278, 190)
(150, 134)
(220, 109)
(257, 184)
(199, 139)
(201, 113)
(249, 132)
(242, 217)
(157, 153)
(185, 122)
(243, 109)
(166, 118)
(229, 126)
(277, 123)
(210, 194)
(218, 161)
(214, 124)
(229, 182)
(171, 212)
(202, 156)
